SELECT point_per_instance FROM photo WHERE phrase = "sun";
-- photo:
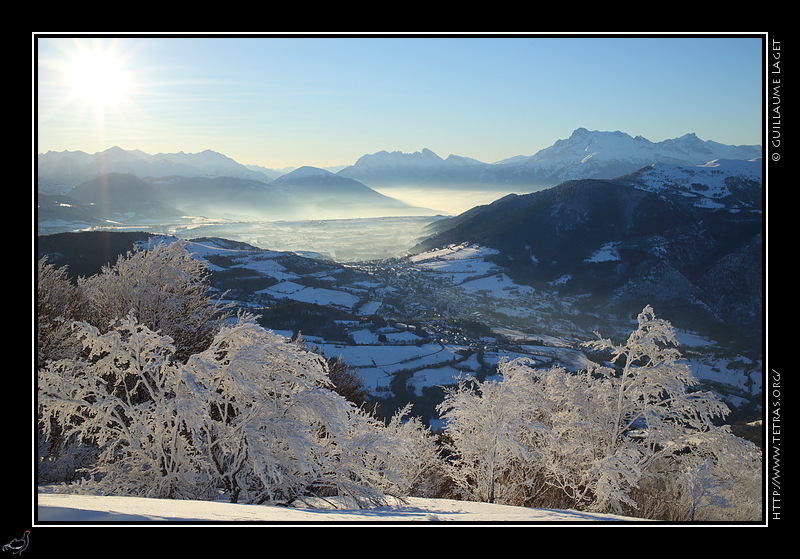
(91, 88)
(98, 78)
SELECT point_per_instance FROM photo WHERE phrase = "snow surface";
(607, 253)
(66, 508)
(714, 177)
(316, 295)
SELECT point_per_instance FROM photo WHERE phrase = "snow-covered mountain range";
(213, 185)
(606, 155)
(585, 154)
(658, 227)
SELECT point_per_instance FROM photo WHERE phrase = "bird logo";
(18, 545)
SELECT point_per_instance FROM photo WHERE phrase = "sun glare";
(98, 78)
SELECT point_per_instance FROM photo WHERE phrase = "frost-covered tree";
(486, 433)
(165, 287)
(253, 415)
(125, 398)
(414, 454)
(646, 407)
(596, 435)
(279, 431)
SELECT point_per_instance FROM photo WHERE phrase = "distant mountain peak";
(583, 132)
(307, 171)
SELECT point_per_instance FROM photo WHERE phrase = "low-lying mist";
(342, 240)
(450, 201)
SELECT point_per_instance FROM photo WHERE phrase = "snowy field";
(63, 508)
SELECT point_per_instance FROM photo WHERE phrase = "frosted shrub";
(646, 408)
(279, 429)
(487, 425)
(252, 415)
(414, 454)
(58, 304)
(126, 399)
(167, 290)
(599, 436)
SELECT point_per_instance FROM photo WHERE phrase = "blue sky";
(328, 100)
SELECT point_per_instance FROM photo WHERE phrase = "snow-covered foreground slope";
(63, 508)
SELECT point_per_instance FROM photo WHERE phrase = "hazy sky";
(329, 100)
